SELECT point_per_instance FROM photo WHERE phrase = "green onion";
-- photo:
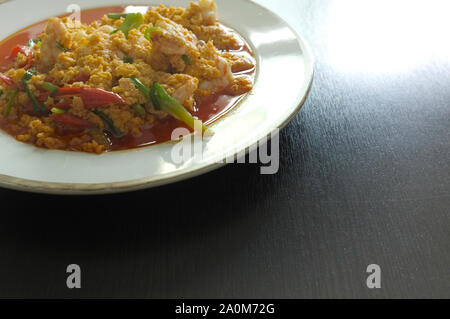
(163, 101)
(149, 31)
(117, 16)
(61, 47)
(132, 21)
(139, 109)
(186, 59)
(167, 103)
(55, 110)
(127, 59)
(109, 123)
(10, 102)
(37, 108)
(141, 87)
(1, 92)
(50, 87)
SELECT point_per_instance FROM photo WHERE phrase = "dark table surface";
(364, 179)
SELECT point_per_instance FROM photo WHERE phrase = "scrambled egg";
(189, 54)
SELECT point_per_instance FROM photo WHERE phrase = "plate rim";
(56, 188)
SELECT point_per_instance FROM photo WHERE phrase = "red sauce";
(208, 109)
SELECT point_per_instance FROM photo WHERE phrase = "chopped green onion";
(61, 47)
(167, 103)
(37, 108)
(10, 102)
(186, 59)
(141, 87)
(139, 109)
(150, 30)
(163, 101)
(127, 59)
(109, 123)
(50, 87)
(132, 21)
(1, 92)
(117, 16)
(55, 110)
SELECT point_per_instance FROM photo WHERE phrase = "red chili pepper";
(68, 91)
(10, 82)
(25, 51)
(63, 106)
(92, 97)
(72, 120)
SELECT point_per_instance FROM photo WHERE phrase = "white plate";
(284, 76)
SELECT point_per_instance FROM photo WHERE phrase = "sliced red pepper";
(63, 106)
(72, 120)
(25, 51)
(10, 82)
(68, 91)
(92, 97)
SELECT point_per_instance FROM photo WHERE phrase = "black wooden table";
(364, 179)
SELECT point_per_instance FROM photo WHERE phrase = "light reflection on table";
(386, 36)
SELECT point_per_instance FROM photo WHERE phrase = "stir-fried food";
(83, 86)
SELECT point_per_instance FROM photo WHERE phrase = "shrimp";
(185, 93)
(173, 39)
(209, 11)
(55, 33)
(240, 61)
(222, 37)
(225, 78)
